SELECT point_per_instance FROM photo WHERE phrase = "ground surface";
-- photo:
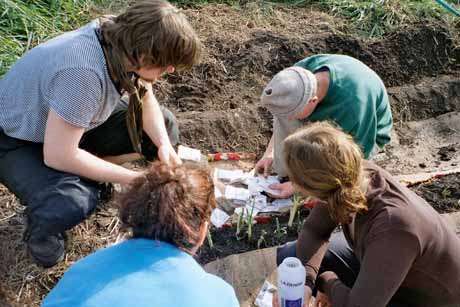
(218, 109)
(442, 193)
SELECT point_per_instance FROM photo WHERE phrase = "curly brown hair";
(169, 203)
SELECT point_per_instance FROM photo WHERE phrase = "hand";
(285, 189)
(264, 166)
(322, 300)
(306, 300)
(168, 155)
(146, 84)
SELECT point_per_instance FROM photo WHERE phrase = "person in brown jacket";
(393, 248)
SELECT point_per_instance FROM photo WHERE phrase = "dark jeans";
(56, 201)
(339, 259)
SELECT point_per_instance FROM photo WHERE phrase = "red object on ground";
(232, 156)
(310, 203)
(263, 219)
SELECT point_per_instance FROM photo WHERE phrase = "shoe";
(46, 251)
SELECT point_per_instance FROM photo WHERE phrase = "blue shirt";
(140, 272)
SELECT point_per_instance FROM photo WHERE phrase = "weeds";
(371, 18)
(374, 18)
(24, 24)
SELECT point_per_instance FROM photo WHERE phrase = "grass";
(26, 23)
(376, 18)
(371, 18)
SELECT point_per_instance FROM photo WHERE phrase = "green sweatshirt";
(356, 100)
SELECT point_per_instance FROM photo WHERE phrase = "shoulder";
(223, 291)
(79, 49)
(314, 62)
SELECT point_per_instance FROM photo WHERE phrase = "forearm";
(269, 151)
(153, 121)
(313, 240)
(82, 163)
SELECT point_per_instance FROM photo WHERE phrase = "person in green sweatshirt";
(330, 87)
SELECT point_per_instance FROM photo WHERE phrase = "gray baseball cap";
(288, 92)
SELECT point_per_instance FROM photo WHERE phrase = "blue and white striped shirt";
(67, 74)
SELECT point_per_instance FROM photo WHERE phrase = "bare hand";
(146, 84)
(322, 300)
(306, 301)
(264, 166)
(168, 155)
(285, 189)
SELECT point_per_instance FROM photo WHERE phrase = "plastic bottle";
(291, 282)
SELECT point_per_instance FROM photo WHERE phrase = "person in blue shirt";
(168, 210)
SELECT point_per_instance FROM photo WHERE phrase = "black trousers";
(339, 258)
(56, 201)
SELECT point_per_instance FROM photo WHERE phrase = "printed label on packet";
(187, 153)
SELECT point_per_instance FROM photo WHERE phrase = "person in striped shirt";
(64, 127)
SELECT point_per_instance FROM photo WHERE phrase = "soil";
(443, 193)
(217, 106)
(217, 103)
(226, 242)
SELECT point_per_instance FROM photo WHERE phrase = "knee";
(64, 204)
(286, 250)
(172, 125)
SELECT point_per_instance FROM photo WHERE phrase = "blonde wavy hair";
(324, 162)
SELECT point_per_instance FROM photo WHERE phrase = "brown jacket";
(405, 248)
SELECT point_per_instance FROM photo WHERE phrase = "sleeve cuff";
(325, 281)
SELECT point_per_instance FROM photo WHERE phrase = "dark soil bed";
(443, 193)
(226, 242)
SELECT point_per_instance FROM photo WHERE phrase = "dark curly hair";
(169, 203)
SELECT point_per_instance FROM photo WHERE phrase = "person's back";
(395, 211)
(356, 99)
(170, 204)
(140, 272)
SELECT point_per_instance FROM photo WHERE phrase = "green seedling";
(297, 201)
(250, 219)
(239, 224)
(446, 193)
(280, 232)
(210, 242)
(261, 239)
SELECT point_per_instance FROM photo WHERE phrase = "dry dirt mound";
(217, 105)
(419, 64)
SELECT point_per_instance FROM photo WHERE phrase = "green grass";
(371, 18)
(376, 18)
(25, 23)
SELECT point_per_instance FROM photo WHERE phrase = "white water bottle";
(291, 283)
